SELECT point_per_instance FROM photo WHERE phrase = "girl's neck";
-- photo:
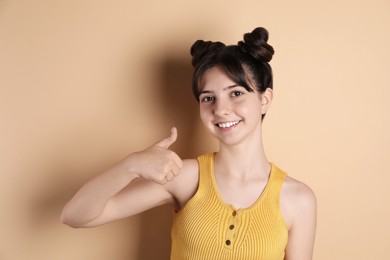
(242, 161)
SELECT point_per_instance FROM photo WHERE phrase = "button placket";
(230, 233)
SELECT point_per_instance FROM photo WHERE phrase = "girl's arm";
(300, 207)
(133, 185)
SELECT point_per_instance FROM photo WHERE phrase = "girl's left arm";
(302, 213)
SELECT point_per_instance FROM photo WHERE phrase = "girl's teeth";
(230, 124)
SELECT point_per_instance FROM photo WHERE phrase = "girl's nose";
(222, 108)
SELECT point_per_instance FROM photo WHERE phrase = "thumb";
(168, 141)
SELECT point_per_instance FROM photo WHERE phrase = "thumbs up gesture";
(168, 141)
(157, 163)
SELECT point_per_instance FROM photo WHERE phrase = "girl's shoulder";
(296, 190)
(296, 198)
(184, 186)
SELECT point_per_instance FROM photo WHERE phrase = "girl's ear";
(266, 99)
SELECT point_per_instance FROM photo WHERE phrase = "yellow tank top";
(207, 228)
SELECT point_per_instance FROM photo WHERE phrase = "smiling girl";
(229, 204)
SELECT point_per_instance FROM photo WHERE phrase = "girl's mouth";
(227, 124)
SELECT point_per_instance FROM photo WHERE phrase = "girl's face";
(229, 111)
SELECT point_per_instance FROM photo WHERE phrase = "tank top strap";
(206, 165)
(276, 180)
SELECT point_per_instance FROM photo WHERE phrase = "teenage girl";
(229, 204)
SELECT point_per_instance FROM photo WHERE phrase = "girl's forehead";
(215, 77)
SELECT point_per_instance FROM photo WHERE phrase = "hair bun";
(201, 48)
(255, 44)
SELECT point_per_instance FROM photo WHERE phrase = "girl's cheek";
(203, 116)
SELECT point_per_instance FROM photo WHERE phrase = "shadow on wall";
(178, 102)
(179, 105)
(182, 110)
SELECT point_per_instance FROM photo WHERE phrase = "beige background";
(82, 83)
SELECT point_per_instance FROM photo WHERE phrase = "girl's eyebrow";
(224, 89)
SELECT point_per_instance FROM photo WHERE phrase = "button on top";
(234, 213)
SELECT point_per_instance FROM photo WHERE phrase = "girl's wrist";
(128, 165)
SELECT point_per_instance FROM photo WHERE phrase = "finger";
(166, 142)
(177, 160)
(161, 180)
(175, 171)
(169, 176)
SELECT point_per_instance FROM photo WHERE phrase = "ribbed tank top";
(208, 228)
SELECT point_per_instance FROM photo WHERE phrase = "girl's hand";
(156, 163)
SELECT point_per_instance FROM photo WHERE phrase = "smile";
(228, 124)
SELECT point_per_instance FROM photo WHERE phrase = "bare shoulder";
(184, 186)
(297, 199)
(298, 204)
(297, 191)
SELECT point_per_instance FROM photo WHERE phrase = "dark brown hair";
(245, 63)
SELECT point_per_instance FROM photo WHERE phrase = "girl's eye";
(236, 93)
(207, 99)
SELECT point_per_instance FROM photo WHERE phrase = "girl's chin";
(228, 140)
